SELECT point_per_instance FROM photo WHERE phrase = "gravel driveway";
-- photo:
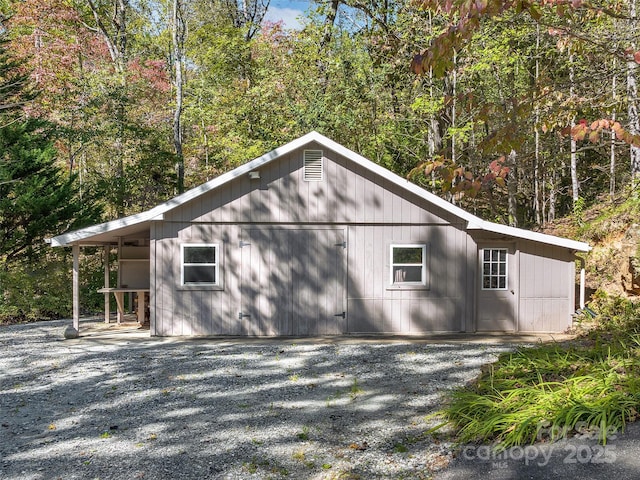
(216, 409)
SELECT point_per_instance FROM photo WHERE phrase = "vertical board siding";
(152, 279)
(375, 308)
(292, 281)
(293, 226)
(472, 285)
(348, 193)
(546, 288)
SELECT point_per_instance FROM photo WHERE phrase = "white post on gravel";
(76, 287)
(107, 307)
(582, 284)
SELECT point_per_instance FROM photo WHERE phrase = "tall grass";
(544, 392)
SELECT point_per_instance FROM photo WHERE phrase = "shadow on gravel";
(216, 409)
(576, 457)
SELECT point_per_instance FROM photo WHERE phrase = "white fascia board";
(157, 213)
(529, 235)
(393, 178)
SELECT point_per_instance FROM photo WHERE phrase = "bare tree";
(178, 31)
(246, 14)
(632, 98)
(111, 24)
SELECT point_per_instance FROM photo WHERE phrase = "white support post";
(582, 283)
(76, 287)
(120, 296)
(141, 307)
(107, 306)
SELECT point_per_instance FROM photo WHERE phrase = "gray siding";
(375, 306)
(288, 280)
(257, 281)
(348, 194)
(547, 288)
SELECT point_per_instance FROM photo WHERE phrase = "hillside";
(612, 228)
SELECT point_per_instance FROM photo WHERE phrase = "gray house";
(314, 239)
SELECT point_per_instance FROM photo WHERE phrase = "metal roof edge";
(157, 213)
(530, 235)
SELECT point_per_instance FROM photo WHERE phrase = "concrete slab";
(96, 330)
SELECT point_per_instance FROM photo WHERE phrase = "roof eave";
(530, 235)
(158, 212)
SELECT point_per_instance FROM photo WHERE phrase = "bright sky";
(287, 11)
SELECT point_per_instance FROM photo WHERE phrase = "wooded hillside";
(521, 111)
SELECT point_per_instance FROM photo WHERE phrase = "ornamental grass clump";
(546, 392)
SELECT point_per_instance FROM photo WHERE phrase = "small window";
(409, 264)
(494, 269)
(313, 171)
(200, 264)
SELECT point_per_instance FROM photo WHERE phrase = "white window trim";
(216, 265)
(506, 269)
(423, 282)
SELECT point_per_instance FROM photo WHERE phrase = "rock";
(70, 332)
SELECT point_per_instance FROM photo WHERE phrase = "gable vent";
(313, 165)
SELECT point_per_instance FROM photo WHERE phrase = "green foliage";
(35, 291)
(40, 289)
(36, 198)
(548, 391)
(578, 210)
(610, 218)
(303, 435)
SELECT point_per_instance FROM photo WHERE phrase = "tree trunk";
(512, 187)
(115, 37)
(612, 146)
(178, 37)
(552, 195)
(454, 93)
(632, 101)
(326, 39)
(575, 185)
(536, 158)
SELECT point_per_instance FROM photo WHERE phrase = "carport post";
(76, 286)
(107, 307)
(582, 283)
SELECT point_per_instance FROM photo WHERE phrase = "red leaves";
(636, 57)
(462, 20)
(593, 131)
(459, 180)
(417, 64)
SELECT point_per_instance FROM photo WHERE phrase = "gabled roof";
(140, 221)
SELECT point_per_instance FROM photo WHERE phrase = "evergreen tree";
(37, 198)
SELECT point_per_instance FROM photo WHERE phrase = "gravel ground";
(223, 409)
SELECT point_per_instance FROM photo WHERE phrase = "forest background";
(521, 112)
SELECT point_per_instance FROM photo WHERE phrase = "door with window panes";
(497, 288)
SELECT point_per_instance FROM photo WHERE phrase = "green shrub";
(41, 290)
(549, 391)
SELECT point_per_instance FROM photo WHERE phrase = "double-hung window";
(408, 264)
(494, 269)
(200, 264)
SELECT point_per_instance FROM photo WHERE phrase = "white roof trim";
(157, 213)
(529, 235)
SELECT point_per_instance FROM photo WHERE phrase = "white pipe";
(76, 287)
(582, 283)
(107, 306)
